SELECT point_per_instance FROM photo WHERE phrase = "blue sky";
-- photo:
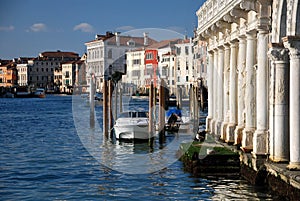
(32, 26)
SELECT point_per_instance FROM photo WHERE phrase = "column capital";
(293, 44)
(249, 5)
(278, 52)
(233, 43)
(251, 34)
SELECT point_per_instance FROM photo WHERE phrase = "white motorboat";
(40, 93)
(132, 126)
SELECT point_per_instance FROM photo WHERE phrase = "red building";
(151, 64)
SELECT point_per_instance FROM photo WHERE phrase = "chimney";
(117, 38)
(145, 38)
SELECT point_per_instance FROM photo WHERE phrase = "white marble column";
(215, 93)
(262, 84)
(241, 91)
(210, 91)
(220, 87)
(293, 44)
(250, 100)
(225, 91)
(232, 93)
(279, 133)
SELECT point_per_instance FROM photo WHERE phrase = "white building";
(168, 70)
(22, 67)
(186, 74)
(135, 77)
(106, 54)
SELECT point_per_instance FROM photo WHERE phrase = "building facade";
(107, 54)
(8, 73)
(46, 69)
(253, 75)
(186, 73)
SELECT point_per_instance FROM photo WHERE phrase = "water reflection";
(43, 158)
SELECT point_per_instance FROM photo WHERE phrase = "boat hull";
(132, 132)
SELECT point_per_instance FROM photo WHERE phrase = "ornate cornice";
(249, 5)
(239, 13)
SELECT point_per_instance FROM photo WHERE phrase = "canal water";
(44, 156)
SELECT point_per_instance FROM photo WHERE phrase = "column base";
(223, 131)
(218, 129)
(230, 133)
(260, 142)
(277, 159)
(247, 139)
(294, 166)
(212, 126)
(208, 124)
(258, 160)
(238, 134)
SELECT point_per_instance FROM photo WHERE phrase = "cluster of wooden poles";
(108, 121)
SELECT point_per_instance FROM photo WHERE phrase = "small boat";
(40, 93)
(174, 120)
(132, 125)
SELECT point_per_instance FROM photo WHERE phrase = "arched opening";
(283, 20)
(298, 20)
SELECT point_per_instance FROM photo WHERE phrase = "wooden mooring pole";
(105, 109)
(110, 114)
(162, 106)
(92, 101)
(151, 114)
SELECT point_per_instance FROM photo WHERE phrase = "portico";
(254, 75)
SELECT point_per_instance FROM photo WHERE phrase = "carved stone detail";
(239, 13)
(249, 5)
(278, 54)
(293, 44)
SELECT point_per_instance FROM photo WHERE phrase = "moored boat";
(40, 93)
(132, 125)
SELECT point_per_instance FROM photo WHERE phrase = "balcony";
(214, 10)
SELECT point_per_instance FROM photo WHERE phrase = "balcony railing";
(212, 10)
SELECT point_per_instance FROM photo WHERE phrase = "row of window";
(42, 78)
(42, 69)
(46, 63)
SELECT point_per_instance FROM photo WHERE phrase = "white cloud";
(84, 27)
(9, 28)
(38, 27)
(125, 28)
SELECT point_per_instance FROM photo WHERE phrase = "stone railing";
(212, 11)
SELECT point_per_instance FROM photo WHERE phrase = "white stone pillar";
(293, 44)
(241, 90)
(232, 94)
(250, 101)
(225, 91)
(220, 87)
(279, 134)
(210, 91)
(215, 93)
(262, 84)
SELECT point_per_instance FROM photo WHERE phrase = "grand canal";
(42, 157)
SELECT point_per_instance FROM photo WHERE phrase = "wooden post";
(116, 101)
(191, 95)
(120, 99)
(92, 101)
(105, 109)
(196, 111)
(162, 107)
(151, 115)
(110, 120)
(179, 97)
